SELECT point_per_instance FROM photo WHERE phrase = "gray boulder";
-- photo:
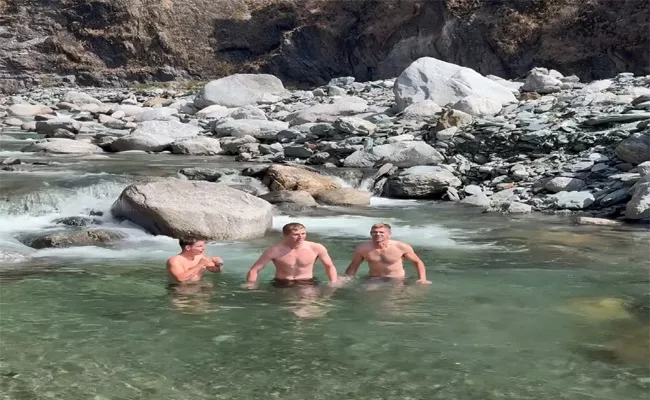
(63, 146)
(257, 128)
(239, 90)
(635, 149)
(639, 205)
(199, 146)
(421, 182)
(290, 196)
(155, 136)
(180, 208)
(401, 154)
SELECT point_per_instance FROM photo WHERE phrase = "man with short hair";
(190, 264)
(294, 258)
(384, 256)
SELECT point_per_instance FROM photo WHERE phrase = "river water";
(525, 307)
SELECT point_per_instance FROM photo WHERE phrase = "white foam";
(386, 202)
(358, 227)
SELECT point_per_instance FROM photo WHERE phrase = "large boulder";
(401, 154)
(257, 128)
(180, 208)
(281, 177)
(155, 136)
(239, 90)
(63, 146)
(445, 83)
(635, 149)
(421, 182)
(343, 197)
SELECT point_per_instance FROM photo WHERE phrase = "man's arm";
(180, 273)
(259, 265)
(410, 255)
(357, 259)
(214, 263)
(326, 260)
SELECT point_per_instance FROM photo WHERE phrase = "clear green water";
(512, 313)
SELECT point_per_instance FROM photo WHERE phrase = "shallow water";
(523, 307)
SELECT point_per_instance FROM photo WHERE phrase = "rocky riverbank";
(438, 131)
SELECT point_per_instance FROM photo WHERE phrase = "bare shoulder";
(317, 247)
(364, 247)
(174, 260)
(402, 246)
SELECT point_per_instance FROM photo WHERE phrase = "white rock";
(155, 136)
(79, 98)
(199, 146)
(539, 81)
(157, 114)
(445, 83)
(239, 90)
(28, 110)
(422, 110)
(355, 126)
(180, 208)
(63, 146)
(214, 111)
(257, 128)
(343, 106)
(401, 154)
(478, 106)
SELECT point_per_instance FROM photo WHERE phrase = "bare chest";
(384, 256)
(296, 258)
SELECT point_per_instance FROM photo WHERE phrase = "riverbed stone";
(180, 208)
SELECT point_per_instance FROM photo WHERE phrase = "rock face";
(312, 41)
(179, 208)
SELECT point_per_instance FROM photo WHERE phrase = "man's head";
(294, 233)
(191, 245)
(380, 232)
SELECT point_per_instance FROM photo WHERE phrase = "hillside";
(110, 42)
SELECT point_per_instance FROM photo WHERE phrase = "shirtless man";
(190, 264)
(294, 259)
(384, 256)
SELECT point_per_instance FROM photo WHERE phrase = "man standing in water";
(384, 256)
(190, 264)
(294, 259)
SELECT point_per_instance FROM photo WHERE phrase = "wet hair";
(188, 241)
(293, 226)
(381, 225)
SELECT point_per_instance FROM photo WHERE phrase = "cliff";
(110, 42)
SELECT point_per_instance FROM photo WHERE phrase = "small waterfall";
(60, 200)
